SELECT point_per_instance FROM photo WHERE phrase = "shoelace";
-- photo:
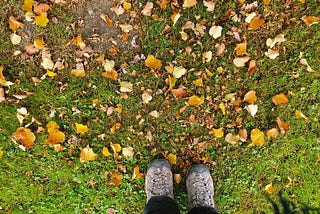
(202, 194)
(159, 184)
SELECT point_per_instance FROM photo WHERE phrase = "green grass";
(41, 180)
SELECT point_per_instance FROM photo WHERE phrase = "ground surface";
(139, 111)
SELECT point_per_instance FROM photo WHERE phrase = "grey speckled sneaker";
(159, 180)
(200, 186)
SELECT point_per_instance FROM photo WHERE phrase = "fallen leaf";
(304, 61)
(283, 126)
(250, 97)
(147, 9)
(154, 114)
(58, 147)
(232, 138)
(266, 2)
(15, 38)
(115, 147)
(126, 6)
(14, 24)
(152, 62)
(223, 108)
(136, 173)
(272, 54)
(110, 74)
(146, 97)
(172, 158)
(172, 82)
(107, 19)
(80, 43)
(1, 152)
(280, 99)
(272, 133)
(299, 115)
(55, 137)
(198, 82)
(175, 17)
(256, 22)
(177, 178)
(178, 93)
(241, 49)
(249, 17)
(218, 133)
(41, 20)
(210, 5)
(27, 5)
(78, 72)
(25, 136)
(87, 154)
(105, 151)
(215, 31)
(116, 179)
(163, 3)
(310, 20)
(38, 43)
(184, 35)
(278, 39)
(126, 27)
(252, 109)
(189, 3)
(2, 97)
(252, 67)
(241, 61)
(207, 56)
(243, 135)
(128, 152)
(179, 72)
(41, 8)
(290, 184)
(269, 188)
(195, 100)
(51, 74)
(220, 49)
(117, 10)
(52, 126)
(81, 129)
(126, 87)
(257, 137)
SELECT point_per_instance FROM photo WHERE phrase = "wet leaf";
(14, 24)
(172, 158)
(250, 97)
(41, 20)
(25, 136)
(257, 137)
(195, 100)
(272, 133)
(87, 154)
(280, 99)
(152, 62)
(269, 188)
(81, 129)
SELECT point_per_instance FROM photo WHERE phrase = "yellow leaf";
(256, 22)
(257, 137)
(27, 5)
(241, 49)
(58, 147)
(87, 154)
(272, 133)
(52, 126)
(39, 43)
(280, 99)
(266, 2)
(163, 3)
(55, 137)
(250, 97)
(78, 72)
(136, 173)
(175, 17)
(299, 115)
(290, 184)
(198, 82)
(152, 62)
(14, 24)
(105, 152)
(51, 74)
(116, 179)
(269, 188)
(242, 1)
(189, 3)
(223, 108)
(172, 82)
(81, 129)
(302, 1)
(126, 6)
(1, 152)
(110, 74)
(80, 43)
(42, 20)
(95, 102)
(218, 132)
(172, 158)
(195, 100)
(25, 136)
(310, 20)
(115, 147)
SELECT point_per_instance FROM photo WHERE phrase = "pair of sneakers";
(159, 182)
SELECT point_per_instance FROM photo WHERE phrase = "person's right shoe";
(200, 186)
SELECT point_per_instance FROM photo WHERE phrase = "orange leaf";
(87, 154)
(110, 74)
(257, 137)
(283, 126)
(163, 3)
(42, 20)
(52, 126)
(266, 2)
(27, 5)
(55, 137)
(39, 43)
(41, 8)
(107, 19)
(116, 179)
(280, 99)
(14, 24)
(152, 62)
(252, 66)
(189, 3)
(78, 72)
(269, 188)
(310, 20)
(195, 100)
(25, 136)
(256, 22)
(198, 82)
(250, 97)
(272, 133)
(178, 93)
(241, 49)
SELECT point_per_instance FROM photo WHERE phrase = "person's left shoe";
(159, 180)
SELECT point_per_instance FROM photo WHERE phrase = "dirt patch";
(106, 36)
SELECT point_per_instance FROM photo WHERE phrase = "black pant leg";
(161, 205)
(203, 210)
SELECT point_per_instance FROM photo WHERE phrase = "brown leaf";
(310, 20)
(252, 67)
(177, 178)
(41, 8)
(280, 99)
(116, 179)
(25, 136)
(178, 93)
(272, 133)
(283, 126)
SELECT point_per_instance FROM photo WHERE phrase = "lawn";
(232, 84)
